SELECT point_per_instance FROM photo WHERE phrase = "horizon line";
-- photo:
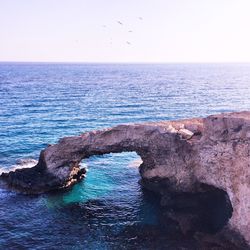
(120, 62)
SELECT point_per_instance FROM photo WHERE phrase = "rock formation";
(184, 156)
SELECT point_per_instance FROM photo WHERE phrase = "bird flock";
(121, 23)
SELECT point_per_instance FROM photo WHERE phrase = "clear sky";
(88, 31)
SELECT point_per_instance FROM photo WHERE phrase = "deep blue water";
(40, 103)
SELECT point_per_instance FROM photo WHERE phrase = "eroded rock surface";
(185, 155)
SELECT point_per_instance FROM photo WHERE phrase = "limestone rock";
(183, 155)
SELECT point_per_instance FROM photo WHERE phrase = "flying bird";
(130, 31)
(120, 22)
(128, 43)
(140, 18)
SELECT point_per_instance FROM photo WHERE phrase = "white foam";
(27, 163)
(84, 165)
(21, 163)
(2, 170)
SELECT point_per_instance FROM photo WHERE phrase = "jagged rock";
(181, 155)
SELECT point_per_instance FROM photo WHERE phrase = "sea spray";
(20, 163)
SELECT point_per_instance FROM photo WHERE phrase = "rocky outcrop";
(186, 156)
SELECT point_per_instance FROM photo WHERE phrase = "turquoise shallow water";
(40, 103)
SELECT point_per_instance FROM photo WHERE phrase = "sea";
(43, 102)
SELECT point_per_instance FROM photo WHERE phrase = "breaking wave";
(21, 163)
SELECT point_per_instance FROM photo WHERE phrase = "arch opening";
(115, 173)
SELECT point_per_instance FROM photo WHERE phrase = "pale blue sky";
(170, 31)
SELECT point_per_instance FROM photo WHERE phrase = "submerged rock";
(182, 156)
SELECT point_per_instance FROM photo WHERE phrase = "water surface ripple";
(40, 103)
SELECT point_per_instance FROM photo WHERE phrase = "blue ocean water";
(40, 103)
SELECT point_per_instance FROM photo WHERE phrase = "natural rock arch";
(184, 154)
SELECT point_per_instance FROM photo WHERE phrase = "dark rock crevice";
(207, 210)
